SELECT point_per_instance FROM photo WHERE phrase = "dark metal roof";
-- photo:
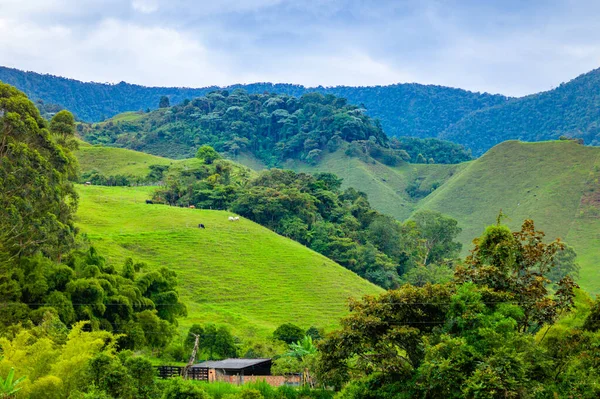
(232, 364)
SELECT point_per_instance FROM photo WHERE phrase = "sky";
(512, 47)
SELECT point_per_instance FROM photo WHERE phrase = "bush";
(178, 388)
(288, 333)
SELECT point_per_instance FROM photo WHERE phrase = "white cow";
(234, 218)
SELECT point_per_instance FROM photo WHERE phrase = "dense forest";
(404, 109)
(569, 110)
(477, 121)
(272, 127)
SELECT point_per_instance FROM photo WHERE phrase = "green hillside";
(112, 161)
(404, 109)
(237, 273)
(570, 109)
(553, 183)
(386, 186)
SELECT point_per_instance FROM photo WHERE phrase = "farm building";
(230, 367)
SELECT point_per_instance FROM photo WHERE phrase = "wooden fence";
(194, 373)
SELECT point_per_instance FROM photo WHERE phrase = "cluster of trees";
(98, 179)
(315, 211)
(497, 330)
(47, 270)
(431, 150)
(272, 127)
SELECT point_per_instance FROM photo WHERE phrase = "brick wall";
(273, 380)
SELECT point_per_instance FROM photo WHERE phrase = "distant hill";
(404, 109)
(572, 109)
(240, 274)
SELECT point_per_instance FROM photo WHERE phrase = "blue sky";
(509, 47)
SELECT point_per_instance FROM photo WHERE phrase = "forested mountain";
(273, 128)
(404, 109)
(572, 109)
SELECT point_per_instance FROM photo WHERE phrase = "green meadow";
(235, 273)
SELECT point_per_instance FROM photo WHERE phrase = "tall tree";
(37, 199)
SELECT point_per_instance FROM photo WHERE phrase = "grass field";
(112, 161)
(235, 273)
(542, 181)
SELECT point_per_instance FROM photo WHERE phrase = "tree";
(208, 154)
(437, 234)
(164, 102)
(384, 334)
(288, 333)
(37, 199)
(516, 266)
(217, 343)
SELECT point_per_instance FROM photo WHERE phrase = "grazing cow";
(88, 183)
(201, 226)
(149, 202)
(236, 218)
(192, 207)
(231, 218)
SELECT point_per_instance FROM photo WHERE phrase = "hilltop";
(271, 128)
(571, 109)
(240, 274)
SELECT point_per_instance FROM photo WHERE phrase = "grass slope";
(547, 182)
(239, 274)
(385, 186)
(112, 161)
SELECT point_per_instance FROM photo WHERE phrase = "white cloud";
(145, 6)
(314, 42)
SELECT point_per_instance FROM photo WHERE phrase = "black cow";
(149, 202)
(201, 226)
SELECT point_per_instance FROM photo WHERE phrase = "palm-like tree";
(8, 386)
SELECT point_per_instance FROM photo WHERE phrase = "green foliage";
(404, 109)
(440, 151)
(164, 102)
(177, 388)
(288, 333)
(9, 386)
(37, 198)
(514, 119)
(207, 154)
(272, 127)
(478, 337)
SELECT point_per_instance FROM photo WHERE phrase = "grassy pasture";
(235, 273)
